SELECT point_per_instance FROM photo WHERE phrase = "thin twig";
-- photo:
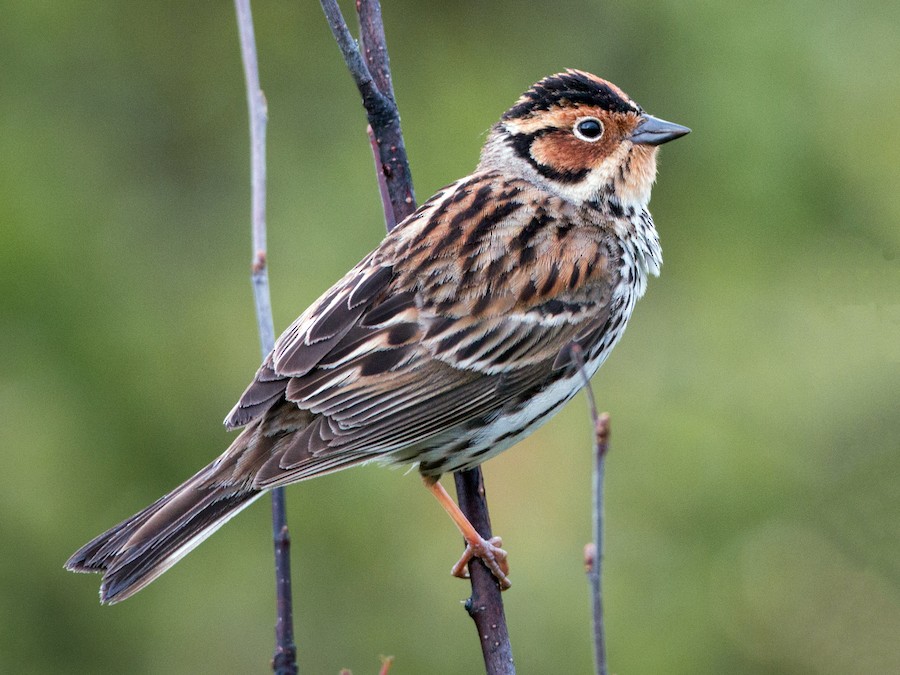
(381, 110)
(374, 46)
(284, 659)
(593, 552)
(386, 663)
(371, 73)
(389, 140)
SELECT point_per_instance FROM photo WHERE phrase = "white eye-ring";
(588, 129)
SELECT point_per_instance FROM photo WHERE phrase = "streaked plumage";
(450, 341)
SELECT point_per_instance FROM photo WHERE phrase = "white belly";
(471, 447)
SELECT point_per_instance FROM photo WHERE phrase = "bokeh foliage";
(753, 495)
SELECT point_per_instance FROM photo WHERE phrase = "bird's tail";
(137, 550)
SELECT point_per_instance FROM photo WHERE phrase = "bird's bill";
(654, 131)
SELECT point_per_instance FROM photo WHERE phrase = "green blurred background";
(753, 498)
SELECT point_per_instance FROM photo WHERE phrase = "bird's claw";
(489, 551)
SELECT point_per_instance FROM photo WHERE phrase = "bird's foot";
(490, 553)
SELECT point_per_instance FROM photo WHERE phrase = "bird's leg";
(488, 551)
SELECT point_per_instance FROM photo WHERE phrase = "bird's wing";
(465, 308)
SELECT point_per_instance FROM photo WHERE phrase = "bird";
(469, 326)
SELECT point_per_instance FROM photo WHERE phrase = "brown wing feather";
(311, 337)
(453, 330)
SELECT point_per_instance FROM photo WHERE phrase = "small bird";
(452, 340)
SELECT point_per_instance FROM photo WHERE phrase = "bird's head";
(581, 137)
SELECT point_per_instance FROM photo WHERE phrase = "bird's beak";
(654, 131)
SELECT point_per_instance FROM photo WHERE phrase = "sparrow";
(452, 340)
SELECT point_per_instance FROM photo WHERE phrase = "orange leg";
(488, 551)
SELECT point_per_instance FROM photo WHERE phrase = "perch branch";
(485, 605)
(284, 660)
(370, 70)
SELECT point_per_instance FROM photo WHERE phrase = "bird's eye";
(588, 129)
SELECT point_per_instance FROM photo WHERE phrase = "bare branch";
(381, 110)
(485, 605)
(374, 46)
(390, 220)
(371, 73)
(593, 552)
(258, 110)
(284, 659)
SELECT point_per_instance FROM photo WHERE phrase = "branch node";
(386, 663)
(284, 537)
(601, 433)
(259, 262)
(590, 557)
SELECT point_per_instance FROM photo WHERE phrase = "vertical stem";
(284, 659)
(381, 110)
(371, 73)
(390, 220)
(485, 605)
(387, 143)
(601, 445)
(593, 552)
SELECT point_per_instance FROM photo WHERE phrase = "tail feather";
(139, 549)
(136, 551)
